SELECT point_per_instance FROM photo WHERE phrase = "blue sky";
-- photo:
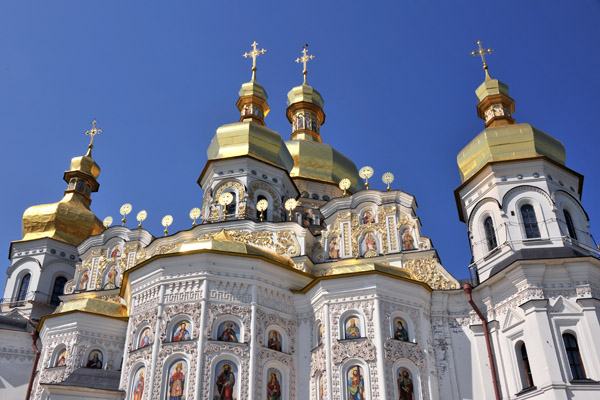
(396, 77)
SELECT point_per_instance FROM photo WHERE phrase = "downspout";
(34, 337)
(468, 289)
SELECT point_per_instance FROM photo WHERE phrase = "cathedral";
(297, 281)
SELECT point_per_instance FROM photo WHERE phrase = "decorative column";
(380, 353)
(540, 342)
(202, 338)
(253, 349)
(157, 339)
(328, 353)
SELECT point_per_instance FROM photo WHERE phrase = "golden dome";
(508, 142)
(94, 306)
(321, 162)
(223, 242)
(305, 93)
(85, 165)
(70, 220)
(250, 139)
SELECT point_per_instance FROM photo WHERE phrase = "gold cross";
(92, 132)
(304, 59)
(254, 53)
(482, 52)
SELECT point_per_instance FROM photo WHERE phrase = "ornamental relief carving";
(366, 306)
(229, 291)
(144, 355)
(269, 189)
(427, 270)
(183, 290)
(241, 190)
(241, 352)
(361, 348)
(396, 349)
(284, 242)
(389, 308)
(183, 348)
(276, 300)
(192, 310)
(242, 312)
(266, 355)
(149, 318)
(264, 320)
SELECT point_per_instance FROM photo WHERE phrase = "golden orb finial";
(194, 215)
(365, 173)
(261, 206)
(482, 52)
(304, 59)
(254, 53)
(345, 185)
(290, 205)
(141, 216)
(166, 222)
(388, 178)
(91, 133)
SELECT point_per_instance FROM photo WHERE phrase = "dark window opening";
(528, 381)
(490, 235)
(570, 225)
(22, 294)
(573, 356)
(532, 231)
(58, 290)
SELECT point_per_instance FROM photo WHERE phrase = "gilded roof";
(85, 164)
(93, 305)
(304, 93)
(321, 162)
(250, 139)
(69, 220)
(510, 142)
(223, 242)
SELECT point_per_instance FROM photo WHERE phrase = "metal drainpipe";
(34, 337)
(468, 289)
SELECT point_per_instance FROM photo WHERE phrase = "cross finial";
(304, 59)
(91, 133)
(482, 52)
(254, 53)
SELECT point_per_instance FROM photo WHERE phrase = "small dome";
(70, 221)
(304, 93)
(86, 165)
(321, 162)
(250, 139)
(509, 142)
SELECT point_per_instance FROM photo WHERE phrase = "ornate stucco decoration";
(428, 270)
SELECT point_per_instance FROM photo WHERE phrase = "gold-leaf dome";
(250, 139)
(70, 220)
(510, 142)
(503, 139)
(321, 162)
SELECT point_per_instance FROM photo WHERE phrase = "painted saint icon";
(225, 383)
(334, 248)
(115, 252)
(370, 242)
(352, 329)
(273, 384)
(138, 384)
(368, 218)
(94, 360)
(228, 332)
(274, 342)
(320, 335)
(85, 277)
(400, 331)
(177, 378)
(111, 277)
(356, 383)
(321, 387)
(407, 240)
(181, 332)
(144, 338)
(61, 361)
(405, 385)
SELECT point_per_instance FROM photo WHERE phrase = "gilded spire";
(304, 59)
(91, 133)
(254, 53)
(482, 52)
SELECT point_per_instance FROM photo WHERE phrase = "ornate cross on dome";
(92, 132)
(482, 52)
(304, 59)
(254, 53)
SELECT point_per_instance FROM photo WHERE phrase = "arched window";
(573, 356)
(490, 235)
(23, 287)
(59, 287)
(570, 225)
(232, 207)
(526, 377)
(532, 231)
(266, 212)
